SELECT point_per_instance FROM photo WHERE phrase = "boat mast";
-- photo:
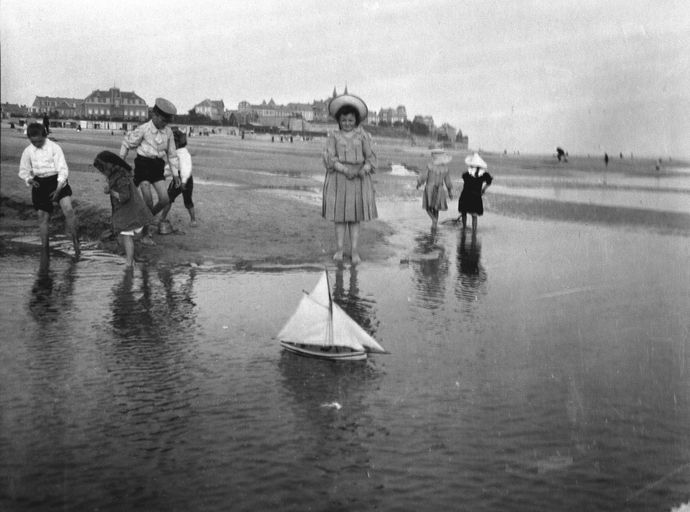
(330, 308)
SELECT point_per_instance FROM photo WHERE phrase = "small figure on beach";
(561, 154)
(436, 180)
(43, 168)
(348, 190)
(606, 159)
(154, 143)
(46, 123)
(185, 184)
(129, 212)
(475, 182)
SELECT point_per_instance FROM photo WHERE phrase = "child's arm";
(120, 189)
(26, 170)
(370, 159)
(131, 140)
(423, 176)
(449, 185)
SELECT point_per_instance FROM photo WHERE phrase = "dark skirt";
(471, 202)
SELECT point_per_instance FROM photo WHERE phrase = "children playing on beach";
(475, 182)
(185, 183)
(129, 212)
(154, 143)
(44, 169)
(436, 178)
(348, 191)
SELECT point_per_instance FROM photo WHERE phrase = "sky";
(591, 76)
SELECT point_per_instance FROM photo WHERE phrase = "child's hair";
(108, 162)
(180, 138)
(348, 109)
(35, 130)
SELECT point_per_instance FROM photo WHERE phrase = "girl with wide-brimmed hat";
(348, 190)
(475, 182)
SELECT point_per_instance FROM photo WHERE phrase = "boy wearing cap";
(154, 142)
(44, 169)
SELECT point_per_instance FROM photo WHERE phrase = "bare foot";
(193, 224)
(147, 240)
(338, 256)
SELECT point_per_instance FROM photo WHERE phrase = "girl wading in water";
(348, 191)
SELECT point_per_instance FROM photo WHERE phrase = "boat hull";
(318, 353)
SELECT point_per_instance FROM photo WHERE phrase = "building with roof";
(57, 106)
(13, 110)
(115, 104)
(213, 109)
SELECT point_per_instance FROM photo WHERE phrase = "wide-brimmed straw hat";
(475, 161)
(348, 99)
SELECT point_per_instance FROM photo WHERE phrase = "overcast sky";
(588, 75)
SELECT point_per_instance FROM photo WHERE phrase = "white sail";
(345, 328)
(319, 321)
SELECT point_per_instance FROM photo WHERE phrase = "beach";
(541, 363)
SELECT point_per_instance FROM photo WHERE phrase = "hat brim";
(348, 99)
(475, 161)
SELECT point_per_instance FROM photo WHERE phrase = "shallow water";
(538, 366)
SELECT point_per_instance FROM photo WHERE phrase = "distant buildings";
(115, 104)
(13, 110)
(56, 106)
(213, 109)
(110, 104)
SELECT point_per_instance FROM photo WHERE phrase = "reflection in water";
(51, 298)
(430, 265)
(334, 439)
(360, 309)
(471, 276)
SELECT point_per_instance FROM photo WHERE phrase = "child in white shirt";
(44, 169)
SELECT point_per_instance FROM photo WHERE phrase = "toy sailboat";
(320, 328)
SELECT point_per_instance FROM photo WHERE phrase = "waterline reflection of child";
(436, 178)
(130, 213)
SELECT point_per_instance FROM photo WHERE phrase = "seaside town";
(116, 109)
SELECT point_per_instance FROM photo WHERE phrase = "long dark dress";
(471, 196)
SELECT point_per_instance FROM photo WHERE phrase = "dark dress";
(129, 211)
(471, 196)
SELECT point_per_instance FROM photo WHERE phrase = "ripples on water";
(515, 381)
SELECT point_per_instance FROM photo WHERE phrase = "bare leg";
(43, 218)
(145, 189)
(165, 211)
(464, 220)
(163, 199)
(474, 224)
(71, 223)
(430, 213)
(354, 242)
(192, 217)
(339, 240)
(128, 243)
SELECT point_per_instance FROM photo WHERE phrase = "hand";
(106, 189)
(176, 180)
(56, 192)
(33, 183)
(115, 194)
